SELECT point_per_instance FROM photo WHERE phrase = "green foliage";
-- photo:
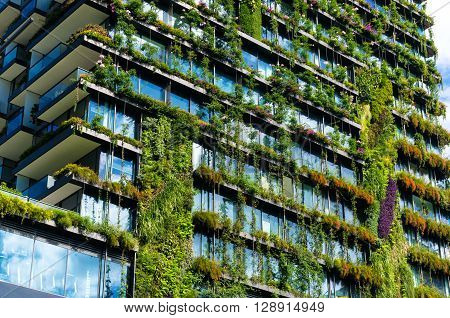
(389, 260)
(208, 268)
(11, 205)
(424, 291)
(211, 220)
(428, 227)
(250, 17)
(165, 266)
(422, 256)
(165, 222)
(88, 175)
(391, 264)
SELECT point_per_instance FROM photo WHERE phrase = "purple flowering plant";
(387, 209)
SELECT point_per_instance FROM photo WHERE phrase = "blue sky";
(440, 11)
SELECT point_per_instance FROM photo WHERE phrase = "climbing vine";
(390, 259)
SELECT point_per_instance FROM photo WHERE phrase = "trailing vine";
(390, 259)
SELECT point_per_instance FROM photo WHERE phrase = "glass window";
(248, 219)
(206, 246)
(115, 284)
(348, 175)
(348, 213)
(49, 268)
(197, 245)
(250, 60)
(200, 111)
(308, 196)
(250, 172)
(119, 216)
(197, 205)
(292, 231)
(253, 96)
(428, 210)
(225, 207)
(264, 68)
(297, 154)
(152, 49)
(333, 168)
(199, 71)
(334, 205)
(15, 258)
(125, 124)
(180, 63)
(250, 263)
(179, 102)
(218, 249)
(82, 275)
(258, 219)
(324, 288)
(311, 160)
(266, 222)
(122, 169)
(152, 90)
(323, 202)
(353, 254)
(274, 227)
(101, 113)
(417, 204)
(92, 207)
(341, 289)
(224, 81)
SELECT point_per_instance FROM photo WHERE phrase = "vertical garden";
(170, 176)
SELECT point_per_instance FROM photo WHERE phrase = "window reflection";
(15, 258)
(115, 280)
(49, 268)
(59, 270)
(82, 275)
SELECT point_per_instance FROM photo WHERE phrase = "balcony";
(36, 190)
(31, 19)
(54, 148)
(57, 150)
(13, 63)
(51, 190)
(79, 14)
(53, 68)
(62, 96)
(46, 60)
(9, 12)
(56, 279)
(16, 137)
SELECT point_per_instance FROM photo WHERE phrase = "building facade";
(221, 148)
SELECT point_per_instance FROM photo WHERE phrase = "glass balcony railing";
(16, 53)
(38, 188)
(61, 87)
(46, 60)
(14, 123)
(8, 109)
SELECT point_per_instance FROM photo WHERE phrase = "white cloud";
(440, 11)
